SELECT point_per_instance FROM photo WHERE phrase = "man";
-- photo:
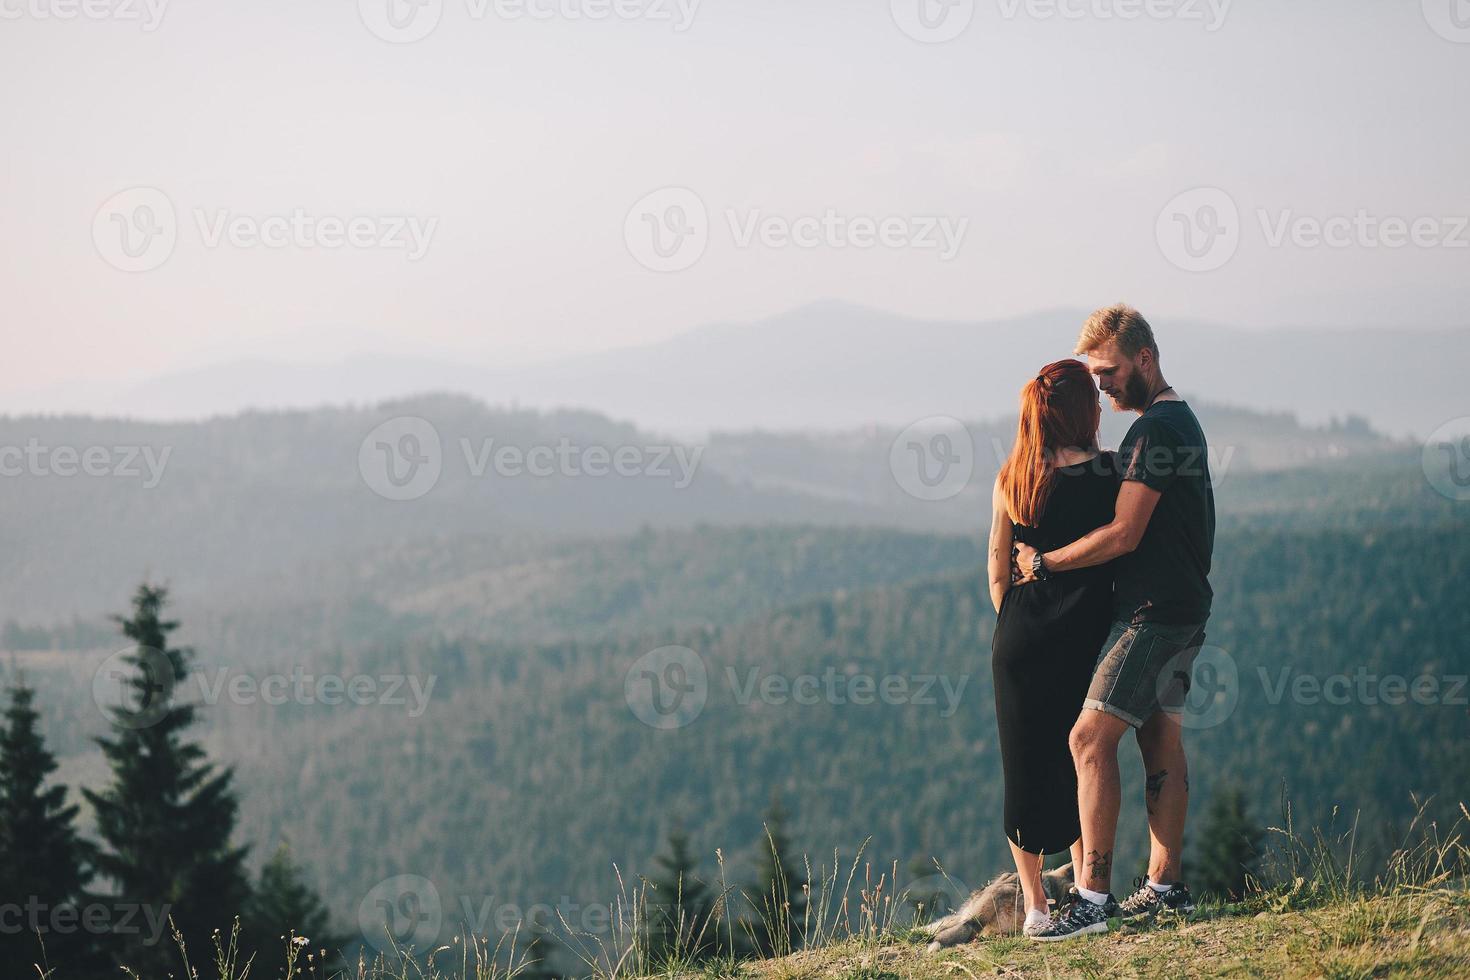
(1161, 536)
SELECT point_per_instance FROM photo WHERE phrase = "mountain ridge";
(834, 365)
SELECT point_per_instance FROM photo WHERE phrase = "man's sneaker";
(1077, 918)
(1147, 902)
(1112, 908)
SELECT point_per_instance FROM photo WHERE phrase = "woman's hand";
(1022, 556)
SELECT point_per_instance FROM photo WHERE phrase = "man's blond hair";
(1120, 324)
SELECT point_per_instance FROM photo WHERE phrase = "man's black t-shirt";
(1165, 579)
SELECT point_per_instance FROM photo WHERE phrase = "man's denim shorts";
(1144, 667)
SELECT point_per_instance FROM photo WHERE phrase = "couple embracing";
(1098, 569)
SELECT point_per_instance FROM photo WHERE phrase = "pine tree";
(1229, 847)
(780, 898)
(284, 907)
(679, 926)
(42, 860)
(166, 820)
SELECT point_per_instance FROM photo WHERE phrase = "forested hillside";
(267, 503)
(845, 666)
(527, 774)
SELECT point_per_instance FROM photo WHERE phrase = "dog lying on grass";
(998, 909)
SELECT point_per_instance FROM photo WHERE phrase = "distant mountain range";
(218, 503)
(836, 366)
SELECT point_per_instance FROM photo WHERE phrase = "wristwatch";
(1038, 568)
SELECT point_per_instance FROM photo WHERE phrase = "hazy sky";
(1048, 139)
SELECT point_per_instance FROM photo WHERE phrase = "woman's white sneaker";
(1036, 920)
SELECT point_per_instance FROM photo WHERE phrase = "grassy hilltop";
(1411, 935)
(1308, 914)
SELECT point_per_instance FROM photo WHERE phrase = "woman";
(1054, 488)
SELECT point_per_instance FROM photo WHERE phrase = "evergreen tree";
(42, 860)
(780, 898)
(1229, 847)
(680, 908)
(284, 906)
(166, 820)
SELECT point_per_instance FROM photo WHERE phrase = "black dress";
(1048, 636)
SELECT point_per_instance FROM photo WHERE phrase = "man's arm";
(1131, 514)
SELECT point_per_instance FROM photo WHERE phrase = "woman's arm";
(999, 562)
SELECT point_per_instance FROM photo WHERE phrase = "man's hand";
(1022, 555)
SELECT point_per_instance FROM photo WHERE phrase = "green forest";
(511, 763)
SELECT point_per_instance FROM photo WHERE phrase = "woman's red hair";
(1058, 411)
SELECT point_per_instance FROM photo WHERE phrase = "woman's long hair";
(1059, 411)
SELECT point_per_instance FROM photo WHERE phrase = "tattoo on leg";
(1153, 786)
(1099, 866)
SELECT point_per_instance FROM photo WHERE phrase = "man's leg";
(1094, 742)
(1166, 792)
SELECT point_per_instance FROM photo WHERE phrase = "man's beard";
(1132, 396)
(1135, 393)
